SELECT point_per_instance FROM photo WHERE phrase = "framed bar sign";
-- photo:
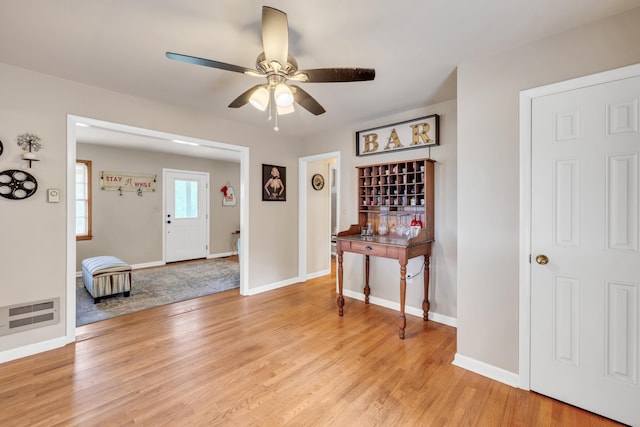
(416, 133)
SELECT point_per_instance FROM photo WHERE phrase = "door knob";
(542, 259)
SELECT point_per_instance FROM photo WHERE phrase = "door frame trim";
(524, 264)
(207, 194)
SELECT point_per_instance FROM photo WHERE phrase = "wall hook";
(139, 191)
(120, 190)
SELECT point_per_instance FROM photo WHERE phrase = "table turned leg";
(402, 320)
(367, 290)
(340, 300)
(425, 302)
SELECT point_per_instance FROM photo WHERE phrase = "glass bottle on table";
(383, 228)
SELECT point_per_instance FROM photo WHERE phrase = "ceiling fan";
(278, 67)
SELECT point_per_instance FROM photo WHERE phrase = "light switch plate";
(53, 195)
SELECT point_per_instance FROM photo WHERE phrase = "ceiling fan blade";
(306, 101)
(208, 62)
(244, 98)
(275, 35)
(327, 75)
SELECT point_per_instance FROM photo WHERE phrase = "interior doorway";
(318, 216)
(162, 141)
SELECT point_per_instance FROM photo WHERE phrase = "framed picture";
(274, 183)
(317, 182)
(416, 133)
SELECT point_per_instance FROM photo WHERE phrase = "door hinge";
(529, 258)
(206, 247)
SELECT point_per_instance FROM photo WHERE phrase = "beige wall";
(488, 178)
(385, 273)
(33, 232)
(130, 226)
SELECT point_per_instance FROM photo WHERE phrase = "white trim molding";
(272, 286)
(486, 370)
(413, 311)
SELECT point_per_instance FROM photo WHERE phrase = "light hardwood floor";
(278, 358)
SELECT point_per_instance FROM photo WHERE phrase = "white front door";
(585, 215)
(186, 213)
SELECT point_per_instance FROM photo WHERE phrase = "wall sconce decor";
(228, 195)
(30, 143)
(17, 185)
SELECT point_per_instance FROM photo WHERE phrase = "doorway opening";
(317, 225)
(161, 141)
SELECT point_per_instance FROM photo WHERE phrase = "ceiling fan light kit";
(260, 98)
(283, 95)
(285, 110)
(278, 67)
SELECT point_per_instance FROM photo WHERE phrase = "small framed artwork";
(274, 183)
(317, 182)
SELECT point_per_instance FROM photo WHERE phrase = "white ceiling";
(414, 46)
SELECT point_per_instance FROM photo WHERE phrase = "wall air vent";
(22, 317)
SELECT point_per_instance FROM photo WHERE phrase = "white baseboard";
(221, 255)
(148, 265)
(31, 349)
(272, 286)
(317, 274)
(486, 370)
(137, 266)
(414, 311)
(161, 263)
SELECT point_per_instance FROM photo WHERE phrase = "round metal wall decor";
(17, 184)
(317, 181)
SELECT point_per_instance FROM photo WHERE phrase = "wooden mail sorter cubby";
(394, 194)
(394, 189)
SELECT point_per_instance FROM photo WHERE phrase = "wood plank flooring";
(282, 358)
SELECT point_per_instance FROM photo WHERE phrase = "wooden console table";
(386, 246)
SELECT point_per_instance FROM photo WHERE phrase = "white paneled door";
(585, 273)
(186, 213)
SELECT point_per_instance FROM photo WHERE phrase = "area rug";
(152, 287)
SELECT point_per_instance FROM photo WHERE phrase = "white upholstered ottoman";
(106, 275)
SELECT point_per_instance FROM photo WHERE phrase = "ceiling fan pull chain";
(270, 103)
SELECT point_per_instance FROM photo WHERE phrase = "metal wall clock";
(17, 184)
(317, 182)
